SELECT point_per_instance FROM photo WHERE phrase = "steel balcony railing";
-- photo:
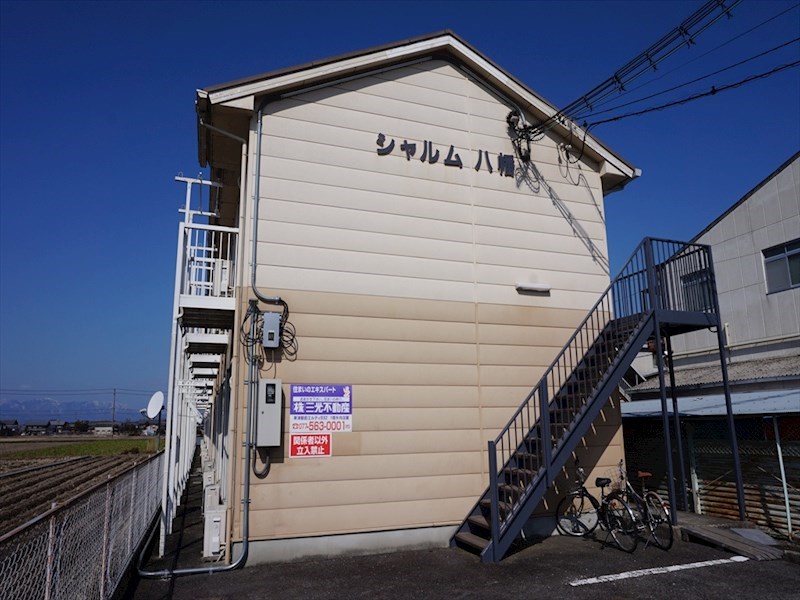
(208, 259)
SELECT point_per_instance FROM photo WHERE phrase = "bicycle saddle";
(643, 474)
(602, 482)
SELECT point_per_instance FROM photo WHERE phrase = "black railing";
(660, 275)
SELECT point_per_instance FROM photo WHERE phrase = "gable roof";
(744, 198)
(244, 94)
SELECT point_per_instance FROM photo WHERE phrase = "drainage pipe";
(256, 201)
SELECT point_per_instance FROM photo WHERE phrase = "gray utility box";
(268, 413)
(271, 322)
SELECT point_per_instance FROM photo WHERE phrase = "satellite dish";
(155, 405)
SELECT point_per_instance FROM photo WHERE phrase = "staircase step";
(479, 521)
(521, 475)
(526, 460)
(514, 491)
(503, 506)
(472, 540)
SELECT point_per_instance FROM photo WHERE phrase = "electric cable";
(717, 72)
(713, 91)
(643, 62)
(696, 58)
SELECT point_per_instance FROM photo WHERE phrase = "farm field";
(36, 473)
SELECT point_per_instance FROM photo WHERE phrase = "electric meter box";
(271, 322)
(269, 413)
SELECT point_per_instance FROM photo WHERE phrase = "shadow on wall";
(528, 174)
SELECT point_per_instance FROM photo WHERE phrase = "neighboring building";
(756, 250)
(9, 427)
(56, 427)
(103, 428)
(37, 428)
(417, 266)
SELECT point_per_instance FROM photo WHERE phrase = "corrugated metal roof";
(769, 402)
(750, 370)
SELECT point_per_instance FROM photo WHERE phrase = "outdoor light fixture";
(532, 288)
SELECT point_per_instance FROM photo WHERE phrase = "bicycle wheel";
(576, 514)
(621, 523)
(659, 520)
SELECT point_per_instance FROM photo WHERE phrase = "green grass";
(106, 447)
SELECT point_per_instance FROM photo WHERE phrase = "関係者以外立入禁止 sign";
(310, 446)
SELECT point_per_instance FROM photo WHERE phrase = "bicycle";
(651, 511)
(579, 513)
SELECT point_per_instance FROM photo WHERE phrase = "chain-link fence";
(81, 549)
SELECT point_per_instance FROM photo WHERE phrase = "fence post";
(51, 542)
(132, 501)
(104, 548)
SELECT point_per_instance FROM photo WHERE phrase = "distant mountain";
(27, 410)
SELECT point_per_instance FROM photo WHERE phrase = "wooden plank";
(730, 541)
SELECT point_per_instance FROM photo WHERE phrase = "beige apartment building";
(379, 272)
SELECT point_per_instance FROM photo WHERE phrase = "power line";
(714, 90)
(696, 58)
(676, 87)
(682, 35)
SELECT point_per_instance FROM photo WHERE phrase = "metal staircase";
(665, 286)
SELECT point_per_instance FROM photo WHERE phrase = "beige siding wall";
(400, 276)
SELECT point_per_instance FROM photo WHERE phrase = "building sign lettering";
(310, 446)
(430, 154)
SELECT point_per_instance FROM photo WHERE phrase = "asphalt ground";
(546, 568)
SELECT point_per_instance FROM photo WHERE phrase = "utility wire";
(682, 35)
(676, 87)
(696, 58)
(714, 90)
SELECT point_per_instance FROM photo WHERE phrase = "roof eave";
(242, 94)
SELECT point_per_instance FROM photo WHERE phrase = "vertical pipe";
(677, 423)
(776, 429)
(698, 506)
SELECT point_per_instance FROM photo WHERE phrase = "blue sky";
(97, 117)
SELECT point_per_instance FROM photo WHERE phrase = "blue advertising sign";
(320, 408)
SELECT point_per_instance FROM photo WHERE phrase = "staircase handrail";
(636, 292)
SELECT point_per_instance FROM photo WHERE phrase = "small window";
(782, 266)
